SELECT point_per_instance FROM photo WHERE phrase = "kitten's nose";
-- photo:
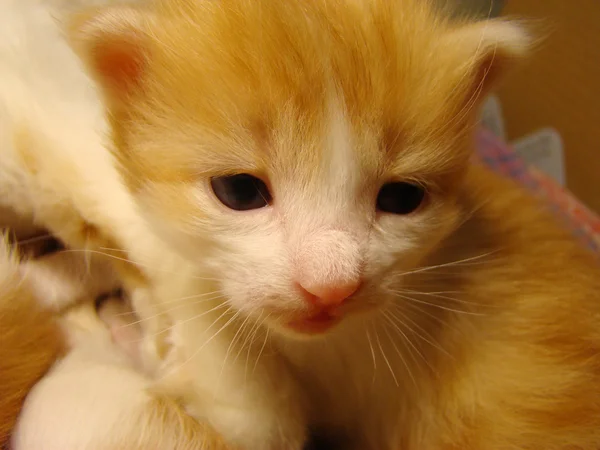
(329, 295)
(328, 267)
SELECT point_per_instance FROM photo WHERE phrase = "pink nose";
(330, 295)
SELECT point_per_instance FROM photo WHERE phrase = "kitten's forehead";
(305, 84)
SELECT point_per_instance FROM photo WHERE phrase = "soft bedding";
(501, 158)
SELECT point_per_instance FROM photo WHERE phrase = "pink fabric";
(501, 158)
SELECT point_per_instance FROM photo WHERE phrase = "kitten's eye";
(400, 197)
(241, 192)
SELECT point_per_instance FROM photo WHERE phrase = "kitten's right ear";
(489, 49)
(113, 43)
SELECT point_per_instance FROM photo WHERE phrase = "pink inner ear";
(120, 65)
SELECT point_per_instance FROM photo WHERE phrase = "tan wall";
(560, 87)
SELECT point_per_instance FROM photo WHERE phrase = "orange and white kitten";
(311, 162)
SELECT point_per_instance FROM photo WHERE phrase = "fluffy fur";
(476, 324)
(55, 171)
(48, 321)
(30, 340)
(96, 388)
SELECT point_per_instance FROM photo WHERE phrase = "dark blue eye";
(400, 197)
(241, 192)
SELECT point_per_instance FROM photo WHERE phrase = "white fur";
(50, 108)
(61, 279)
(89, 399)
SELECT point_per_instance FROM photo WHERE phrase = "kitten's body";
(496, 361)
(477, 334)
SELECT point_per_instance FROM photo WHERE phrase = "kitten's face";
(305, 155)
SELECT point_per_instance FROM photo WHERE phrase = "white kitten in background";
(55, 170)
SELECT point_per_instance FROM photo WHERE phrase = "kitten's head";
(305, 153)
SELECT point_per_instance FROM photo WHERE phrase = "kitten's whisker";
(406, 340)
(264, 344)
(400, 355)
(420, 310)
(190, 297)
(452, 263)
(110, 249)
(249, 343)
(145, 319)
(397, 326)
(194, 302)
(416, 286)
(33, 240)
(250, 340)
(217, 333)
(190, 319)
(435, 295)
(229, 348)
(435, 305)
(404, 336)
(431, 341)
(387, 362)
(129, 261)
(372, 351)
(232, 343)
(182, 364)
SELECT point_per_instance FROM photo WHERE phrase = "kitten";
(311, 162)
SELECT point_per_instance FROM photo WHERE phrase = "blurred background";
(550, 108)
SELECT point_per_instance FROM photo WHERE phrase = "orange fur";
(30, 341)
(238, 86)
(525, 373)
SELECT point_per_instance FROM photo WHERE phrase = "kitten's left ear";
(489, 49)
(113, 42)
